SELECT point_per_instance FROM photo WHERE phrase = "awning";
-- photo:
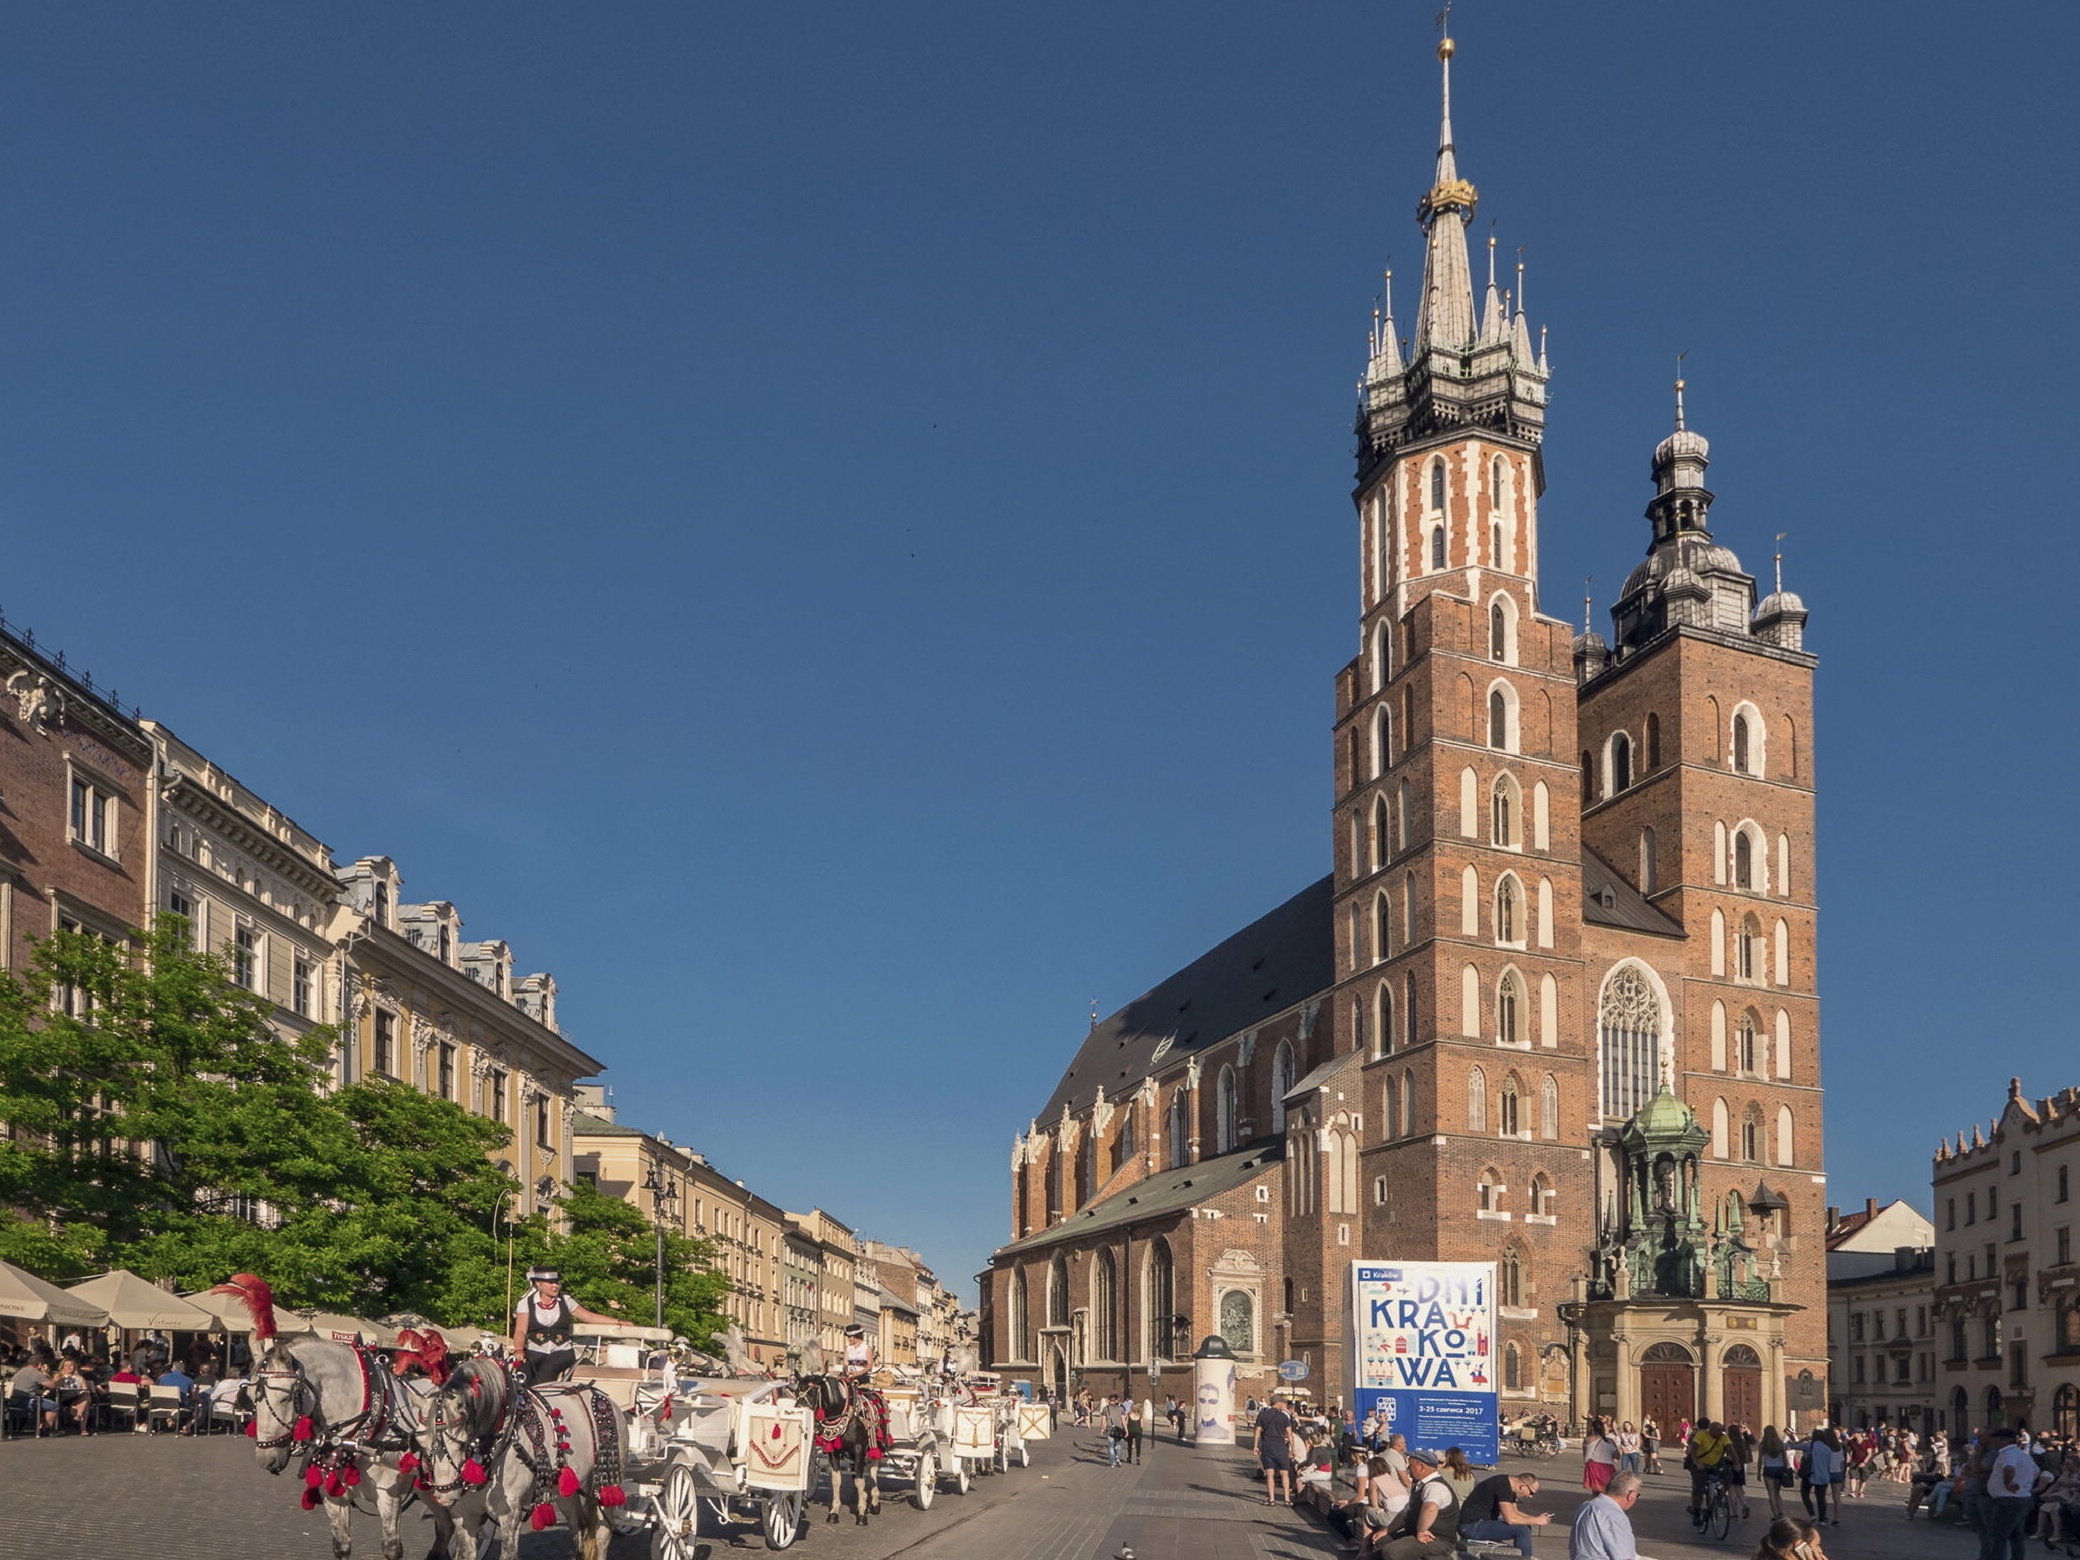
(24, 1295)
(131, 1301)
(340, 1329)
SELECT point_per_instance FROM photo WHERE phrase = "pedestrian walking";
(1272, 1441)
(1140, 1416)
(1775, 1467)
(1113, 1416)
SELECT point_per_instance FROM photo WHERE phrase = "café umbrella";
(28, 1298)
(132, 1302)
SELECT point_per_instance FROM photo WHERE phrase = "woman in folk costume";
(542, 1325)
(859, 1354)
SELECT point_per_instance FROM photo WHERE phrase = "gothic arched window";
(1226, 1112)
(1506, 910)
(1058, 1293)
(1509, 1004)
(1740, 743)
(1495, 549)
(1549, 1108)
(1437, 547)
(1502, 810)
(1408, 1102)
(1498, 623)
(1508, 1111)
(1437, 484)
(1161, 1299)
(1743, 860)
(1653, 743)
(1380, 825)
(1180, 1127)
(1382, 929)
(1386, 1018)
(1021, 1330)
(1477, 1101)
(1498, 719)
(1621, 763)
(1629, 1032)
(1281, 1084)
(1509, 1281)
(1647, 864)
(1105, 1307)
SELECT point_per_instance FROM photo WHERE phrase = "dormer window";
(382, 903)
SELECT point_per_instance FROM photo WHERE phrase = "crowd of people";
(68, 1388)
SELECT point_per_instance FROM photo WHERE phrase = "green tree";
(608, 1258)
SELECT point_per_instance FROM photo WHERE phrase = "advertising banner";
(1423, 1337)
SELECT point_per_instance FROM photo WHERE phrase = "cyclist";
(1705, 1458)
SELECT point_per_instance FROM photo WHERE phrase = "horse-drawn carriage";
(1019, 1421)
(735, 1447)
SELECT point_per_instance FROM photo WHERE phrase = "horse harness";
(377, 1428)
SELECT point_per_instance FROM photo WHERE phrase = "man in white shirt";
(2010, 1487)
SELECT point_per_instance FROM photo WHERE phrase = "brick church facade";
(1556, 1005)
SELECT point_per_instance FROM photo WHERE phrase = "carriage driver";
(542, 1325)
(859, 1354)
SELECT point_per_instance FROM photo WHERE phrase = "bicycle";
(1714, 1514)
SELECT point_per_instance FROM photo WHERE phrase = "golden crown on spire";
(1453, 195)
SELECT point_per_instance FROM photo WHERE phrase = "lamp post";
(497, 1214)
(664, 1197)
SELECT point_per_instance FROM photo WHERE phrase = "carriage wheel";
(675, 1515)
(1025, 1458)
(927, 1481)
(962, 1478)
(784, 1517)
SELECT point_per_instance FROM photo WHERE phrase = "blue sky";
(827, 527)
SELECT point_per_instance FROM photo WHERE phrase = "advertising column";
(1423, 1339)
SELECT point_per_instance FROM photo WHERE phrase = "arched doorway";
(1667, 1385)
(1995, 1418)
(1740, 1386)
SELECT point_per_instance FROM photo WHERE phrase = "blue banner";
(1423, 1346)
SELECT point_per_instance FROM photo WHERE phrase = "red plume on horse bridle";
(428, 1350)
(259, 1300)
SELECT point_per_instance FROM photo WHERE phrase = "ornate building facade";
(1555, 1006)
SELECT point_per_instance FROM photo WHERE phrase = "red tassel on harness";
(873, 1454)
(335, 1486)
(473, 1473)
(567, 1482)
(303, 1430)
(542, 1516)
(310, 1500)
(313, 1476)
(351, 1474)
(612, 1495)
(408, 1463)
(252, 1429)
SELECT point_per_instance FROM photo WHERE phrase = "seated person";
(72, 1393)
(1495, 1511)
(30, 1388)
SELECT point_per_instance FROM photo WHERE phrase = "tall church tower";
(1458, 870)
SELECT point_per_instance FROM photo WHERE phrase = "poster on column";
(1423, 1337)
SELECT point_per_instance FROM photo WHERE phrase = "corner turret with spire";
(1463, 369)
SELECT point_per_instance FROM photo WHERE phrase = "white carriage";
(1019, 1423)
(915, 1451)
(968, 1431)
(735, 1447)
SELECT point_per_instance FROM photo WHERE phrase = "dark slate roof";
(1608, 900)
(1277, 960)
(1171, 1192)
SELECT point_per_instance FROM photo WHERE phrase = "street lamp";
(497, 1214)
(664, 1198)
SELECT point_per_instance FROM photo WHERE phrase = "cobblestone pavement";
(125, 1497)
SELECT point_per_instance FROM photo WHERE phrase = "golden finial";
(1446, 48)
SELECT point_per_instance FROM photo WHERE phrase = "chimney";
(1870, 1207)
(1834, 1217)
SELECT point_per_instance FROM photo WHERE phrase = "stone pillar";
(1712, 1350)
(1627, 1376)
(1213, 1393)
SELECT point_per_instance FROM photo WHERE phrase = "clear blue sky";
(827, 527)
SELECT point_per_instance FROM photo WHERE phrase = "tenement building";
(1554, 1006)
(1881, 1329)
(2007, 1294)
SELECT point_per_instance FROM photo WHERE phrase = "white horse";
(538, 1453)
(344, 1414)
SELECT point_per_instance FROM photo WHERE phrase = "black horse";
(849, 1421)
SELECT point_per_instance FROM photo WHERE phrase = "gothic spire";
(1445, 316)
